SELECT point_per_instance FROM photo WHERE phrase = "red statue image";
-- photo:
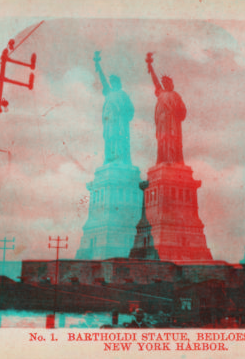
(169, 113)
(171, 205)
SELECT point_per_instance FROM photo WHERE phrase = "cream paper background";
(14, 343)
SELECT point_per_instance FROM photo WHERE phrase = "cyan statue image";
(115, 197)
(118, 111)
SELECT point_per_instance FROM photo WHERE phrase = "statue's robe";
(118, 111)
(169, 113)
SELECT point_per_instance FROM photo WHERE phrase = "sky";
(55, 135)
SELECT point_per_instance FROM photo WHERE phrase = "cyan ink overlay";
(118, 111)
(115, 197)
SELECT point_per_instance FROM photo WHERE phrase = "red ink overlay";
(146, 341)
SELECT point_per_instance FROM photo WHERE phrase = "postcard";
(122, 179)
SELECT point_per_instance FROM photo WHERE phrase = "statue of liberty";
(169, 113)
(118, 111)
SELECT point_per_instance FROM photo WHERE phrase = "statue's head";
(167, 83)
(115, 82)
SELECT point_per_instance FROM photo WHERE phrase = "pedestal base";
(114, 211)
(172, 211)
(144, 253)
(143, 242)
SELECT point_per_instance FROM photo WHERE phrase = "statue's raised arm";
(156, 82)
(105, 84)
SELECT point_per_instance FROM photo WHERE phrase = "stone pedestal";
(172, 212)
(114, 211)
(143, 244)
